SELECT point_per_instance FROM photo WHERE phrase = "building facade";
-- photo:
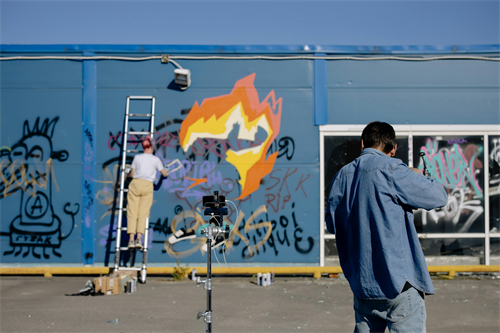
(266, 126)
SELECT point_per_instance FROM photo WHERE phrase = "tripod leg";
(209, 283)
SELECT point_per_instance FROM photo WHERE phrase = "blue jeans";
(405, 313)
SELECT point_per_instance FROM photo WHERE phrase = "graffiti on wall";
(27, 171)
(457, 163)
(494, 164)
(230, 144)
(494, 182)
(217, 117)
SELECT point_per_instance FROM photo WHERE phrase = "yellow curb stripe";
(316, 271)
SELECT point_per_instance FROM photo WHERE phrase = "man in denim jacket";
(370, 210)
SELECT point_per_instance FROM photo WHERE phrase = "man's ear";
(393, 151)
(362, 145)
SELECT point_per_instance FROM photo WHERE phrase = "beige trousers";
(139, 201)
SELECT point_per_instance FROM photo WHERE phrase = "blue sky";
(250, 22)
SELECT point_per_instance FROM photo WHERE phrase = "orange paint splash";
(215, 118)
(196, 181)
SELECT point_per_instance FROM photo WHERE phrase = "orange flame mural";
(215, 118)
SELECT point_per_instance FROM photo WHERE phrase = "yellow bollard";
(47, 274)
(317, 275)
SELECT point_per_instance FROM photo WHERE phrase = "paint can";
(193, 274)
(259, 279)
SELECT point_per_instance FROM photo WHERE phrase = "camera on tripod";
(215, 204)
(215, 207)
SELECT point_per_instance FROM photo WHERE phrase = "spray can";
(129, 286)
(193, 274)
(265, 279)
(259, 279)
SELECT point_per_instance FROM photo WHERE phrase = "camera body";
(215, 204)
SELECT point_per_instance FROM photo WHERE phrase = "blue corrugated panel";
(436, 92)
(320, 92)
(89, 142)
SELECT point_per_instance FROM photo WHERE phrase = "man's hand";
(416, 170)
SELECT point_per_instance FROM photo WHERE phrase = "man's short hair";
(146, 143)
(379, 135)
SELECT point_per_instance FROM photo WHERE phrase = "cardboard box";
(131, 274)
(100, 284)
(113, 285)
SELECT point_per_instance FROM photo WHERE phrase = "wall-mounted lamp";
(182, 75)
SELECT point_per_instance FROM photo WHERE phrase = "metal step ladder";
(123, 175)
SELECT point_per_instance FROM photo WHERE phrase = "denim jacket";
(370, 210)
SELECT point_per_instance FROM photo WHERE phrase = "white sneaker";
(138, 244)
(181, 234)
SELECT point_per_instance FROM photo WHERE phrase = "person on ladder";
(140, 192)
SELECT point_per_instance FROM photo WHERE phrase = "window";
(465, 159)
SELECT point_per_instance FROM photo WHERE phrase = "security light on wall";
(182, 76)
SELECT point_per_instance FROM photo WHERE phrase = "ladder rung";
(126, 249)
(124, 190)
(132, 151)
(140, 115)
(123, 209)
(123, 228)
(129, 268)
(141, 97)
(138, 133)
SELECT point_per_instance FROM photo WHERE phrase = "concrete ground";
(291, 304)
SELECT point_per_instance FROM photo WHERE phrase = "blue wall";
(291, 81)
(41, 108)
(69, 218)
(414, 92)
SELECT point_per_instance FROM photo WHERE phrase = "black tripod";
(214, 207)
